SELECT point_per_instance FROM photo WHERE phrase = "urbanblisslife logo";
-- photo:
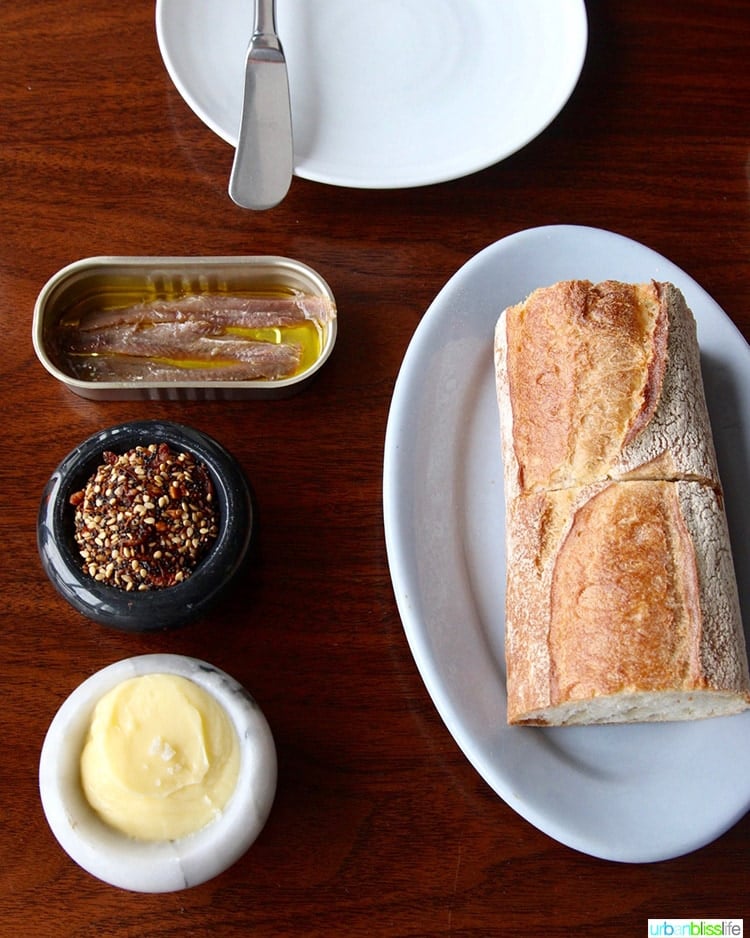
(675, 927)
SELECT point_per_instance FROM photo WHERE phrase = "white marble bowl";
(162, 866)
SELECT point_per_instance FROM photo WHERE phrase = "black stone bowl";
(157, 609)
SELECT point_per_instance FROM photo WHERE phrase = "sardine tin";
(143, 278)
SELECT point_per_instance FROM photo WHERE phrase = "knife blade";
(264, 158)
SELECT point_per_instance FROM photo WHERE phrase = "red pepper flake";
(145, 518)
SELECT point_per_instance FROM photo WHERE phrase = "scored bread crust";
(621, 601)
(601, 381)
(622, 605)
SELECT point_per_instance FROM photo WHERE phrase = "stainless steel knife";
(264, 159)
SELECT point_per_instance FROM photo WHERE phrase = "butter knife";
(264, 159)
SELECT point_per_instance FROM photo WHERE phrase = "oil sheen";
(78, 358)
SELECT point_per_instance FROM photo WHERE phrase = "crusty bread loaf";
(601, 381)
(621, 600)
(622, 606)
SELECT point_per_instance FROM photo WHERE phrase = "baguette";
(601, 381)
(621, 601)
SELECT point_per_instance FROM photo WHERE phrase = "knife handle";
(264, 156)
(265, 22)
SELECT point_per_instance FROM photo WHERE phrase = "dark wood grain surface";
(380, 825)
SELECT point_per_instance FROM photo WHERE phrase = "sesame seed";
(127, 510)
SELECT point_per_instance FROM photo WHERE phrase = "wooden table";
(380, 826)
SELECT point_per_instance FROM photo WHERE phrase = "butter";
(161, 758)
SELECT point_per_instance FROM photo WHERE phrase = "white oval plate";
(387, 93)
(634, 793)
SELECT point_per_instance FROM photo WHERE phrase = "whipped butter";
(161, 758)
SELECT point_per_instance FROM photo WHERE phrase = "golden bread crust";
(601, 381)
(621, 599)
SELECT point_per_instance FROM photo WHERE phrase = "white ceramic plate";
(633, 793)
(388, 93)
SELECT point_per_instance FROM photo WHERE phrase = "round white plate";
(633, 793)
(387, 93)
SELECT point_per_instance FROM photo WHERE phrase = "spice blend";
(145, 518)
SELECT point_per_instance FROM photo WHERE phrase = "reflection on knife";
(264, 158)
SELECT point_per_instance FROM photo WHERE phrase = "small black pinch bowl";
(155, 609)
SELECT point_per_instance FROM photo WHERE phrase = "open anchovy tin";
(184, 328)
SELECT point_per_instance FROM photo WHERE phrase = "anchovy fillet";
(167, 340)
(279, 361)
(196, 337)
(223, 311)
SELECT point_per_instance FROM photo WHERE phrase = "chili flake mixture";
(145, 518)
